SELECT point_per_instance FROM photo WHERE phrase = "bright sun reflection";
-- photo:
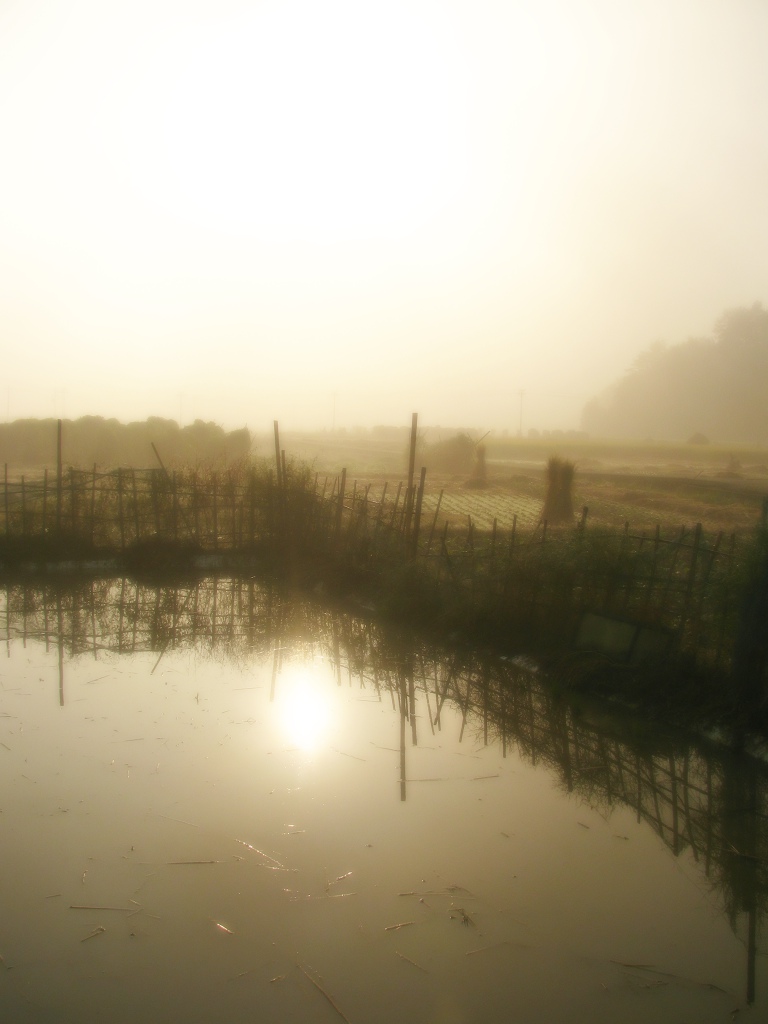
(303, 710)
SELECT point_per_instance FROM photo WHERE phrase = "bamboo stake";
(216, 510)
(340, 505)
(278, 464)
(411, 469)
(196, 508)
(252, 502)
(434, 521)
(137, 528)
(155, 501)
(174, 507)
(93, 504)
(381, 509)
(120, 510)
(58, 478)
(417, 516)
(72, 510)
(394, 510)
(45, 499)
(23, 509)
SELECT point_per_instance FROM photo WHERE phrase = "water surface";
(220, 803)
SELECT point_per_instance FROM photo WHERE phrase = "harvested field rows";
(483, 506)
(611, 504)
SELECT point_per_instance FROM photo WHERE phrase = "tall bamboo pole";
(417, 516)
(58, 479)
(411, 469)
(278, 463)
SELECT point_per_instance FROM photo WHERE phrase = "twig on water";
(325, 896)
(483, 949)
(338, 878)
(408, 960)
(356, 758)
(395, 927)
(668, 974)
(171, 863)
(277, 866)
(80, 906)
(322, 991)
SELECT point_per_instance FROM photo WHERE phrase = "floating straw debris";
(80, 906)
(172, 863)
(408, 960)
(322, 991)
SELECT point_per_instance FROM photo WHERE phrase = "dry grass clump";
(558, 505)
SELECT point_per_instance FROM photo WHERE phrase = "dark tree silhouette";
(714, 387)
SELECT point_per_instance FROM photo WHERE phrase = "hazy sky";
(301, 209)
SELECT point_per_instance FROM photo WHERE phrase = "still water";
(222, 803)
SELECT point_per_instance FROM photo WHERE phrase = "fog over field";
(336, 213)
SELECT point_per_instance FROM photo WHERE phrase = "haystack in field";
(558, 505)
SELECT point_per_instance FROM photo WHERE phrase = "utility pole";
(520, 428)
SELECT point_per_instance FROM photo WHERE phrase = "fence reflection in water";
(695, 796)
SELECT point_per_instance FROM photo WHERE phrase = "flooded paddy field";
(222, 803)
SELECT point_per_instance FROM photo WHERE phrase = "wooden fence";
(680, 586)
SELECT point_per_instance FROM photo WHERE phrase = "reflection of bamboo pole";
(751, 885)
(275, 661)
(93, 620)
(465, 709)
(60, 627)
(135, 617)
(673, 798)
(412, 702)
(687, 807)
(402, 737)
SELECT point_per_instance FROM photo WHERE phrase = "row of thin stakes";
(678, 581)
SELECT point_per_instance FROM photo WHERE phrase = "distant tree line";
(108, 443)
(704, 388)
